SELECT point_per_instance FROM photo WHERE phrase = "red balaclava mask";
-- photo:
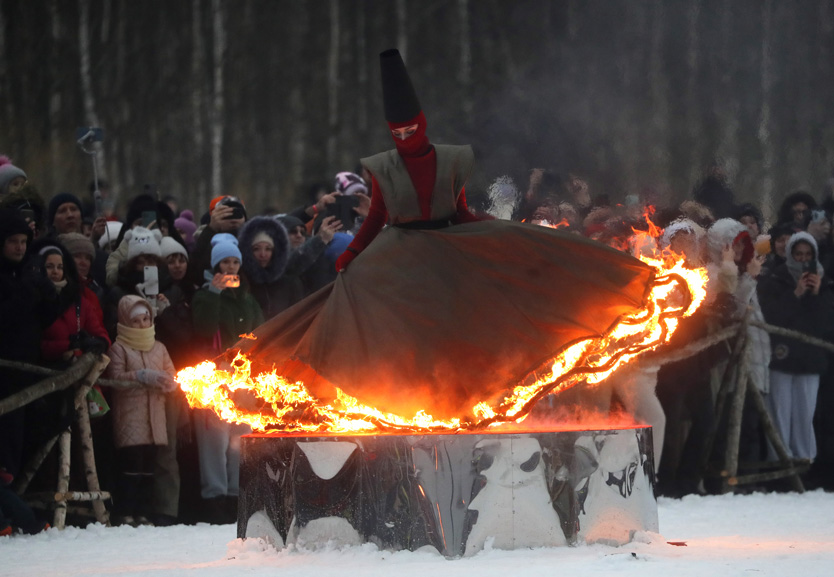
(418, 143)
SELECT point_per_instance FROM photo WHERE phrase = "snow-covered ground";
(760, 534)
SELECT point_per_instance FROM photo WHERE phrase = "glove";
(345, 259)
(156, 379)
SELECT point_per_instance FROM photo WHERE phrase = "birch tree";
(90, 113)
(218, 109)
(764, 125)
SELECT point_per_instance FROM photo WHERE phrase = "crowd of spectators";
(162, 289)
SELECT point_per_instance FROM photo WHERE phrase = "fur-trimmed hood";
(280, 254)
(720, 234)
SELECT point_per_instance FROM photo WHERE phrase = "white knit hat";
(142, 241)
(169, 246)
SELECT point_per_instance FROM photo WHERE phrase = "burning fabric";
(452, 323)
(442, 322)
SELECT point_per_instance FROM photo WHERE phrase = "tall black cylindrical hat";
(398, 94)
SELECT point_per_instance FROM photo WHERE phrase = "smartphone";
(342, 209)
(810, 267)
(231, 281)
(148, 218)
(151, 281)
(817, 216)
(27, 214)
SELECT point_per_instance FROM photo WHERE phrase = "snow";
(732, 535)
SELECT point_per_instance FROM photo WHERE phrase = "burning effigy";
(390, 405)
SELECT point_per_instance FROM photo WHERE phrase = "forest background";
(261, 98)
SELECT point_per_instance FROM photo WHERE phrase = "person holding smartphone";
(797, 296)
(222, 310)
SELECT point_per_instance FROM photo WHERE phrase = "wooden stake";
(86, 437)
(83, 496)
(736, 415)
(60, 519)
(776, 440)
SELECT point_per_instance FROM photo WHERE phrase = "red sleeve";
(376, 219)
(463, 215)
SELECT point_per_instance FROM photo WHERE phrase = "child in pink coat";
(138, 412)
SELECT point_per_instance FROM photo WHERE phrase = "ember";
(278, 404)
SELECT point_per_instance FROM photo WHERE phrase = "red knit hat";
(214, 202)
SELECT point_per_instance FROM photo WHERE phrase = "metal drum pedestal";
(454, 493)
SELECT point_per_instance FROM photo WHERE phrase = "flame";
(268, 401)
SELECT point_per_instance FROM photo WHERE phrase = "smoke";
(503, 198)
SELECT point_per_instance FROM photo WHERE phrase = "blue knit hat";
(223, 245)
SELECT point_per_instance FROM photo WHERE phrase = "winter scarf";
(139, 339)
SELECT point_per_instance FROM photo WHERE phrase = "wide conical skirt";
(440, 320)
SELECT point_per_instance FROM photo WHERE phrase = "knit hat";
(349, 183)
(141, 241)
(214, 202)
(8, 172)
(169, 246)
(290, 222)
(223, 245)
(127, 304)
(11, 224)
(337, 246)
(185, 224)
(263, 237)
(57, 201)
(77, 243)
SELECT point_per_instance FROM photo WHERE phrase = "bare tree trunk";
(217, 111)
(9, 127)
(197, 71)
(728, 101)
(363, 103)
(333, 84)
(465, 65)
(693, 115)
(402, 29)
(299, 129)
(764, 128)
(659, 93)
(90, 114)
(57, 174)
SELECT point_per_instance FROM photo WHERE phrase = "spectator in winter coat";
(80, 328)
(138, 412)
(222, 312)
(308, 256)
(797, 296)
(226, 215)
(174, 329)
(143, 252)
(733, 272)
(161, 219)
(12, 178)
(796, 209)
(265, 248)
(779, 236)
(65, 216)
(28, 304)
(83, 254)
